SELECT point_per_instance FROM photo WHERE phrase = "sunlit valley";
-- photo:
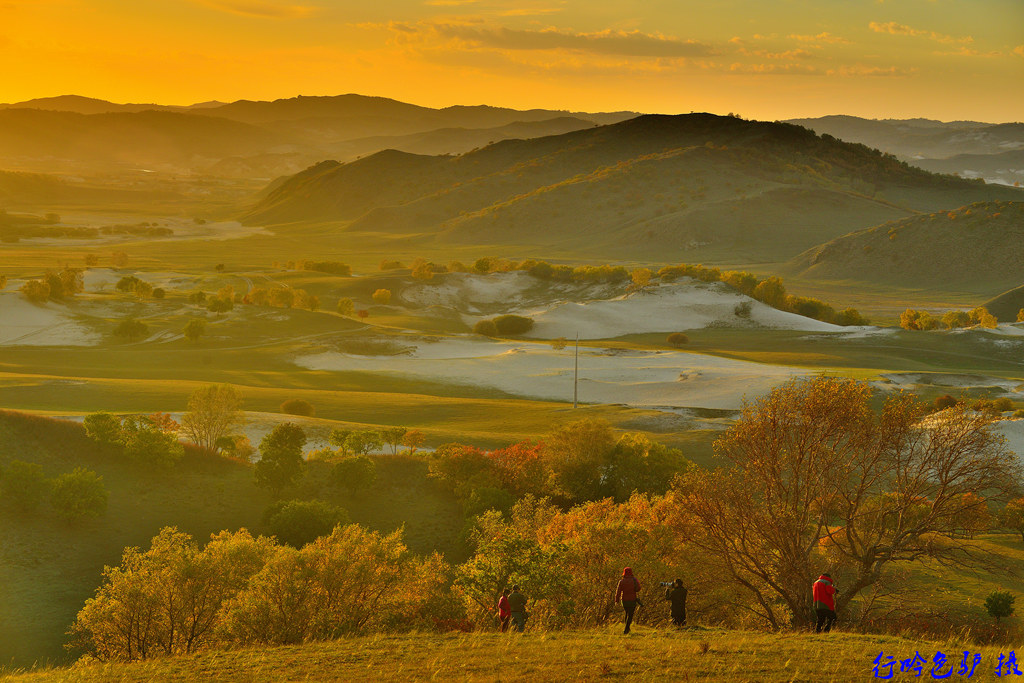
(294, 388)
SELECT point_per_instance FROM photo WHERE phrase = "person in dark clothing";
(517, 608)
(626, 593)
(676, 594)
(504, 611)
(824, 592)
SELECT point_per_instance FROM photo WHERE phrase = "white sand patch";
(1012, 388)
(1013, 430)
(1008, 329)
(49, 324)
(682, 306)
(672, 379)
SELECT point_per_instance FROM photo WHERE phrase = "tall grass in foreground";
(647, 654)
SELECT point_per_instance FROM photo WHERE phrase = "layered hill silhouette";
(686, 187)
(977, 248)
(255, 139)
(922, 138)
(969, 148)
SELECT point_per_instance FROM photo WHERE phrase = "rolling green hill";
(688, 187)
(976, 248)
(48, 568)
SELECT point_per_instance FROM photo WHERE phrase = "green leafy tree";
(145, 443)
(280, 463)
(77, 494)
(382, 296)
(677, 339)
(999, 604)
(578, 455)
(339, 438)
(213, 411)
(194, 329)
(36, 291)
(346, 306)
(22, 485)
(392, 436)
(363, 442)
(486, 328)
(1012, 516)
(104, 429)
(298, 522)
(513, 324)
(354, 473)
(131, 329)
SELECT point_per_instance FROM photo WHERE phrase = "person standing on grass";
(517, 608)
(504, 611)
(676, 594)
(626, 593)
(824, 593)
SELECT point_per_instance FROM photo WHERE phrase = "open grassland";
(646, 654)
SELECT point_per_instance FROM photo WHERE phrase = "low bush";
(513, 324)
(297, 406)
(677, 339)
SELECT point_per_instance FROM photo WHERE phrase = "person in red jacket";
(504, 611)
(626, 593)
(824, 603)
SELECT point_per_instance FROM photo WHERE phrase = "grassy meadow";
(692, 654)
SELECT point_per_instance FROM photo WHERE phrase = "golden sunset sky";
(944, 59)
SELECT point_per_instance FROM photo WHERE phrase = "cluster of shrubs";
(770, 291)
(581, 461)
(141, 288)
(54, 285)
(149, 440)
(912, 319)
(329, 267)
(991, 406)
(73, 495)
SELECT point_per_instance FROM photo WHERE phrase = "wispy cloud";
(529, 11)
(1019, 50)
(608, 42)
(449, 3)
(824, 37)
(861, 70)
(893, 28)
(259, 8)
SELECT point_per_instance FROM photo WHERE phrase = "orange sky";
(944, 59)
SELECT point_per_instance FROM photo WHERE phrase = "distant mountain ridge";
(654, 184)
(970, 148)
(257, 138)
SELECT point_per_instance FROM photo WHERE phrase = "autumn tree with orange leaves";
(814, 464)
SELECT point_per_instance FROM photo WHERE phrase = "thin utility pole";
(576, 371)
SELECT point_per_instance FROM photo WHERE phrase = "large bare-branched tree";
(212, 412)
(817, 480)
